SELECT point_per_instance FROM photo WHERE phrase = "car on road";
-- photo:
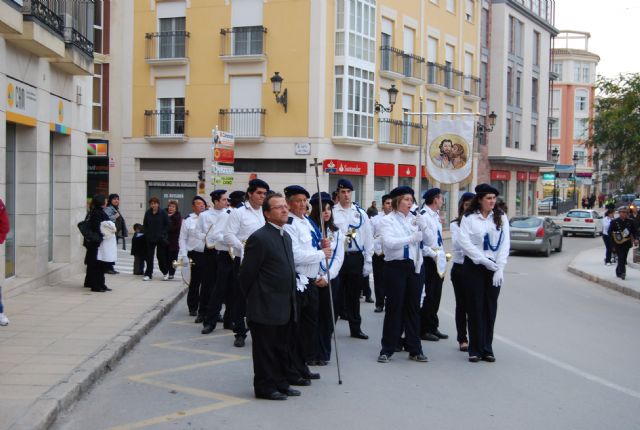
(535, 234)
(546, 204)
(583, 221)
(635, 204)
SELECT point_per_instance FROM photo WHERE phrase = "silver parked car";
(535, 234)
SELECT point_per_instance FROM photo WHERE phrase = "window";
(468, 10)
(555, 128)
(536, 48)
(97, 26)
(339, 28)
(519, 89)
(509, 85)
(484, 74)
(516, 134)
(576, 72)
(534, 95)
(557, 68)
(579, 156)
(468, 69)
(432, 58)
(556, 100)
(357, 106)
(579, 128)
(534, 137)
(484, 28)
(515, 36)
(581, 99)
(451, 6)
(586, 73)
(508, 133)
(409, 37)
(171, 116)
(97, 97)
(172, 37)
(248, 40)
(361, 29)
(448, 73)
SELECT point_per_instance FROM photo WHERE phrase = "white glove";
(491, 265)
(367, 268)
(497, 278)
(416, 237)
(185, 260)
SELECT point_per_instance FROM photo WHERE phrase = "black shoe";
(378, 309)
(291, 392)
(208, 328)
(199, 319)
(193, 313)
(111, 272)
(359, 335)
(489, 358)
(418, 357)
(106, 289)
(239, 342)
(300, 382)
(276, 395)
(474, 359)
(98, 290)
(430, 336)
(441, 335)
(312, 375)
(369, 300)
(623, 276)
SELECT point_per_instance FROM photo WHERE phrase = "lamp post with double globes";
(555, 155)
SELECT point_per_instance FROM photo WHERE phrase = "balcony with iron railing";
(472, 87)
(47, 12)
(243, 44)
(391, 62)
(247, 125)
(401, 134)
(453, 80)
(435, 75)
(413, 69)
(167, 48)
(42, 28)
(165, 125)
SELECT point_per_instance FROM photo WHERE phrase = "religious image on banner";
(450, 150)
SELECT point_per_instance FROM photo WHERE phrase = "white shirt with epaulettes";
(241, 224)
(397, 233)
(207, 222)
(354, 217)
(190, 238)
(474, 228)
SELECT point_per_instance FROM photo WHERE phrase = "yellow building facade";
(201, 64)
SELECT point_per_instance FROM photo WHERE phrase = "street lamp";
(575, 159)
(276, 84)
(555, 155)
(481, 129)
(393, 95)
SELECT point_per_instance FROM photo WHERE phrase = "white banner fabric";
(449, 153)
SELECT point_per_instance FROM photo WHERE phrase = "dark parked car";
(535, 234)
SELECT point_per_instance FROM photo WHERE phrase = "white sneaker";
(146, 278)
(4, 320)
(166, 277)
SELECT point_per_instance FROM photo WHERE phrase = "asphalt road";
(567, 358)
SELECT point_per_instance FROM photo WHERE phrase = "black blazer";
(268, 277)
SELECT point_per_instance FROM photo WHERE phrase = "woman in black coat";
(94, 278)
(156, 234)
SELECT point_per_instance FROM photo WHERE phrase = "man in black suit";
(268, 280)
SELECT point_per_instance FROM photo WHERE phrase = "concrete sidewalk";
(62, 338)
(589, 264)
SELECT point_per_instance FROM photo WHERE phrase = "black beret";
(467, 196)
(401, 191)
(198, 198)
(217, 193)
(483, 189)
(345, 183)
(258, 183)
(432, 192)
(292, 190)
(326, 198)
(237, 195)
(385, 197)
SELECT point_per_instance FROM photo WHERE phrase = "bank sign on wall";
(22, 103)
(59, 115)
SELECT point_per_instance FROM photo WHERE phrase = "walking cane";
(326, 259)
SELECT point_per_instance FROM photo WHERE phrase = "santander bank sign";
(341, 167)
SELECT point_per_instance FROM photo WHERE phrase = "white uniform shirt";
(190, 237)
(217, 232)
(473, 230)
(375, 229)
(356, 217)
(306, 257)
(337, 254)
(457, 256)
(241, 224)
(396, 232)
(606, 222)
(429, 221)
(207, 222)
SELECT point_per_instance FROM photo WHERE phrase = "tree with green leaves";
(616, 128)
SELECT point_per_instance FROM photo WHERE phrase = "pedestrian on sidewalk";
(606, 222)
(5, 227)
(108, 248)
(138, 249)
(94, 278)
(113, 211)
(156, 233)
(175, 222)
(623, 233)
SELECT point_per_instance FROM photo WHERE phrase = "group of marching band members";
(402, 247)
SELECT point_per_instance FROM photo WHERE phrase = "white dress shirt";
(207, 222)
(457, 256)
(354, 217)
(429, 221)
(397, 235)
(306, 256)
(375, 229)
(606, 222)
(217, 233)
(241, 224)
(474, 228)
(190, 237)
(337, 254)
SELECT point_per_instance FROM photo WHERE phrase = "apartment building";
(46, 62)
(573, 99)
(519, 38)
(196, 65)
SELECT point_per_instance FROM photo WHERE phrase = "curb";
(42, 413)
(605, 283)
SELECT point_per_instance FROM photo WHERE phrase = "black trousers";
(171, 257)
(403, 289)
(208, 280)
(94, 277)
(307, 325)
(325, 325)
(351, 280)
(607, 245)
(193, 296)
(433, 292)
(138, 264)
(366, 287)
(220, 294)
(269, 348)
(622, 251)
(482, 305)
(239, 303)
(461, 311)
(162, 258)
(378, 283)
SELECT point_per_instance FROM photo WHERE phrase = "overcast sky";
(615, 31)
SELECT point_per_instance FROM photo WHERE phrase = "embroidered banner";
(449, 150)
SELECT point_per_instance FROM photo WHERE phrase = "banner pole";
(420, 154)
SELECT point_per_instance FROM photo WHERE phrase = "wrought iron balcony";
(436, 74)
(47, 12)
(79, 41)
(395, 132)
(391, 63)
(472, 86)
(413, 68)
(167, 47)
(245, 124)
(166, 125)
(243, 43)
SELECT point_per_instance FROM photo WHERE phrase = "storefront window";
(520, 197)
(405, 182)
(10, 202)
(531, 194)
(503, 189)
(381, 186)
